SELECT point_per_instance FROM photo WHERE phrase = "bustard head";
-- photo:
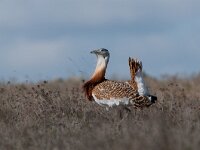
(101, 53)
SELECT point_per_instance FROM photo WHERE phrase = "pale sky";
(48, 39)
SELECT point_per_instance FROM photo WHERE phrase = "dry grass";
(55, 116)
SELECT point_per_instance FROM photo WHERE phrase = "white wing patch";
(142, 90)
(112, 101)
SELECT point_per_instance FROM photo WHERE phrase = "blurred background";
(48, 39)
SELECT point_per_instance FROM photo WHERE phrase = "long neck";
(98, 76)
(99, 73)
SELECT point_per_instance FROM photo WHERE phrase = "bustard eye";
(104, 50)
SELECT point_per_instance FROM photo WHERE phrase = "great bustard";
(110, 93)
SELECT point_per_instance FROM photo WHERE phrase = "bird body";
(111, 93)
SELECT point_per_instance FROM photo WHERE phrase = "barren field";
(54, 115)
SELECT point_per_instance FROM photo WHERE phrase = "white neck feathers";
(101, 66)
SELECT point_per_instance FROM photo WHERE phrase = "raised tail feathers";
(135, 65)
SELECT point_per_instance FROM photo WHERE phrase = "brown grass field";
(54, 115)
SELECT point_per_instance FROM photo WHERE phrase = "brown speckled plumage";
(118, 90)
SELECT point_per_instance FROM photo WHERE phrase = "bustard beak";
(94, 52)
